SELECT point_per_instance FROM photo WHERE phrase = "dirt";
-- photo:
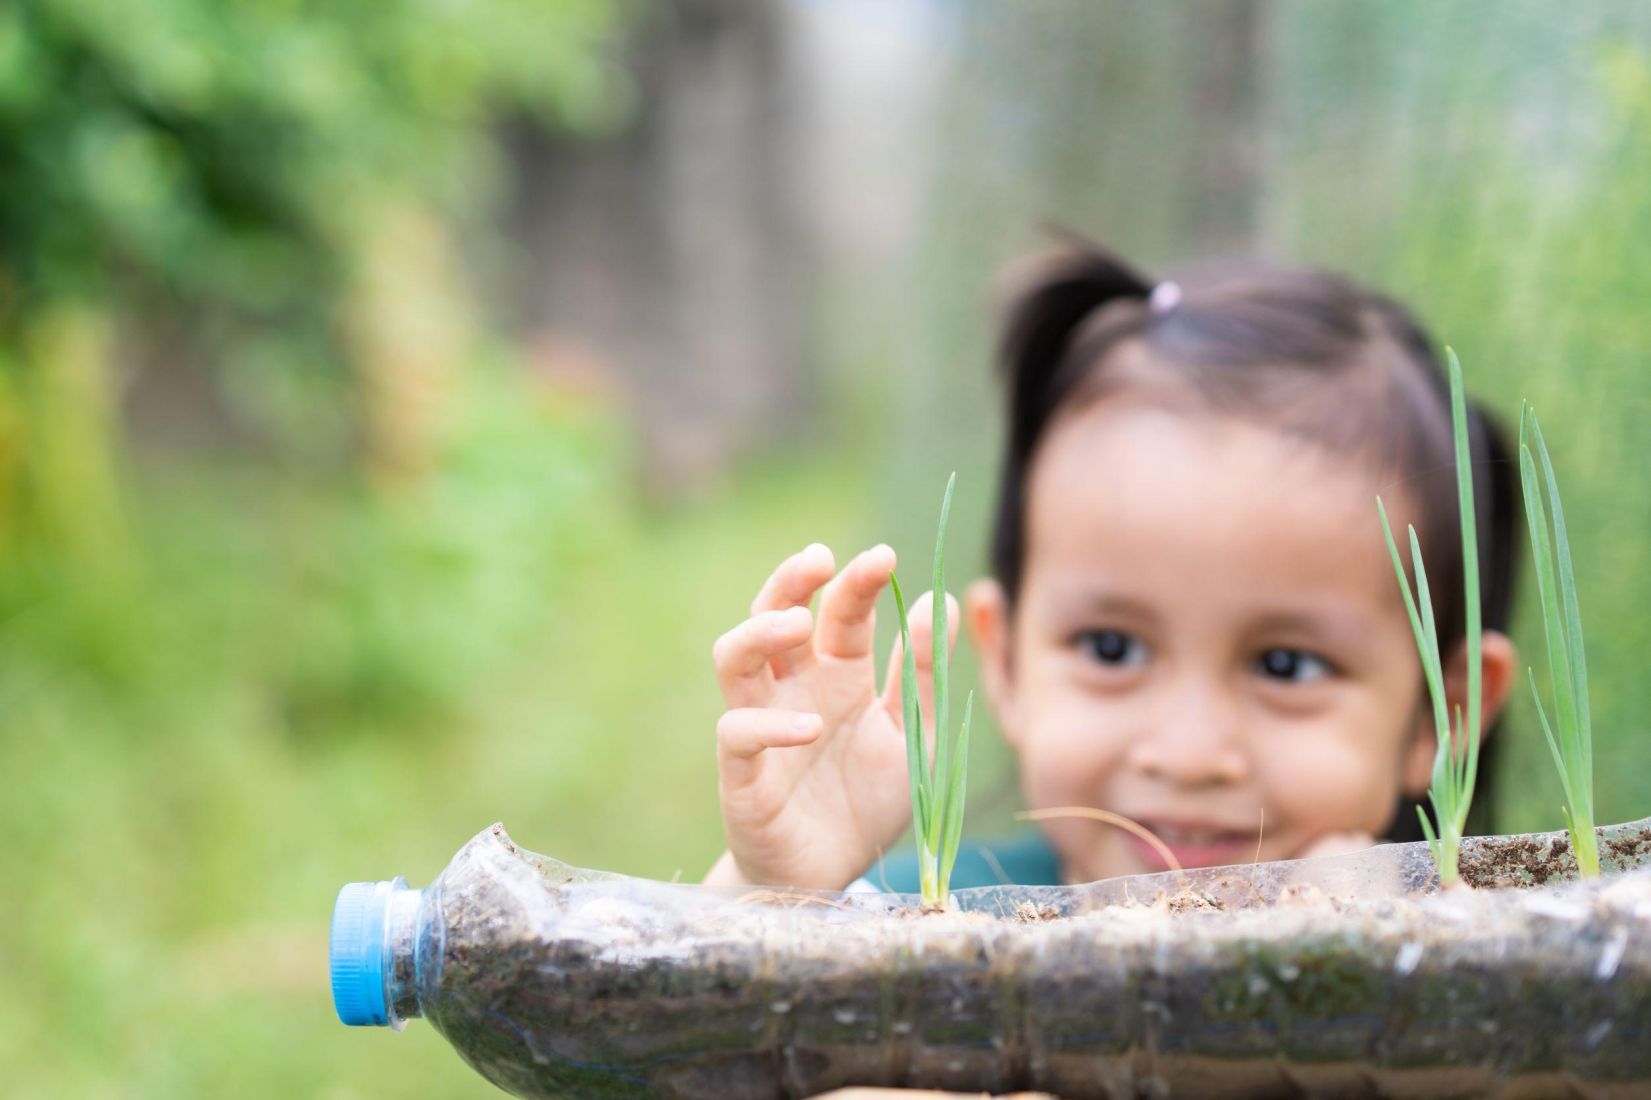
(1630, 848)
(1516, 862)
(1192, 901)
(620, 988)
(1030, 913)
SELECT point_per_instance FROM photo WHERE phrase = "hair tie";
(1164, 297)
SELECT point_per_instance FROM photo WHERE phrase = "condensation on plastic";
(1349, 976)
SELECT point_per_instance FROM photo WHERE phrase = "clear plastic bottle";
(555, 982)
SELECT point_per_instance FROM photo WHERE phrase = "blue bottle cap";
(359, 929)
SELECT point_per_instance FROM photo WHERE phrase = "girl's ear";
(1497, 660)
(986, 609)
(1498, 668)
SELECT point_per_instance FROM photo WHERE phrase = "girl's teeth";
(1171, 835)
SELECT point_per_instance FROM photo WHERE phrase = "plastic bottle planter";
(1339, 976)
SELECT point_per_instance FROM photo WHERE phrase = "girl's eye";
(1291, 666)
(1112, 647)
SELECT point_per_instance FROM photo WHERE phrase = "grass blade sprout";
(938, 788)
(1456, 761)
(1570, 735)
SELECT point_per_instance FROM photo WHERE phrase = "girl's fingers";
(919, 620)
(746, 731)
(795, 580)
(742, 656)
(793, 584)
(743, 733)
(847, 622)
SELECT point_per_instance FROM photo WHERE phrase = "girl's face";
(1208, 631)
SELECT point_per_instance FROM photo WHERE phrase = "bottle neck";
(401, 927)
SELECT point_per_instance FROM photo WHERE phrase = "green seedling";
(1570, 736)
(938, 785)
(1456, 763)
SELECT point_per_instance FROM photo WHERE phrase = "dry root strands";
(1134, 828)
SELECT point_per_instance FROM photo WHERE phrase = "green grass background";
(283, 684)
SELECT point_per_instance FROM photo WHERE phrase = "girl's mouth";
(1194, 845)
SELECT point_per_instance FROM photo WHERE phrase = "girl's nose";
(1194, 743)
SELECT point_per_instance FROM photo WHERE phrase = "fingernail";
(802, 723)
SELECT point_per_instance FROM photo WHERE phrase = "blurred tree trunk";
(60, 484)
(407, 333)
(666, 261)
(1229, 117)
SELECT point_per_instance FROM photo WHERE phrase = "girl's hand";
(811, 756)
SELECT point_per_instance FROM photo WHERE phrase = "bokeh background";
(397, 398)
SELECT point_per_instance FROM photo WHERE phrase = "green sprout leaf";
(1456, 761)
(913, 717)
(937, 815)
(956, 783)
(940, 626)
(1570, 735)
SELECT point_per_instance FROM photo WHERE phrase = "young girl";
(1192, 621)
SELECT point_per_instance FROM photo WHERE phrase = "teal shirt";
(1022, 860)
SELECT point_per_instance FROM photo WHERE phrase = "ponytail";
(1050, 301)
(1496, 494)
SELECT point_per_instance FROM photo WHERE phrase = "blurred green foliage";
(206, 185)
(225, 152)
(229, 174)
(229, 677)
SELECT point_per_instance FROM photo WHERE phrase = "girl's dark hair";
(1313, 354)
